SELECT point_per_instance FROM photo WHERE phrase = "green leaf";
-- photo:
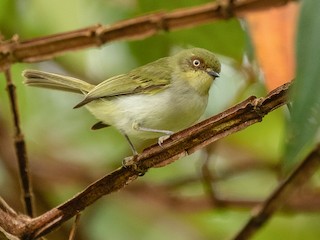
(305, 114)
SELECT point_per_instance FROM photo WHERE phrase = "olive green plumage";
(150, 101)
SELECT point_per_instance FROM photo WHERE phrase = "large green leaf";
(305, 115)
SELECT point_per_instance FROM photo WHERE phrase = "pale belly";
(167, 110)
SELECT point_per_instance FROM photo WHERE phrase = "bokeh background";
(174, 202)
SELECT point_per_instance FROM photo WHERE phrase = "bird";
(149, 102)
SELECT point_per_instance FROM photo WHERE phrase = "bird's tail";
(55, 81)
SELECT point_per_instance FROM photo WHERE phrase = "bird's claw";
(131, 163)
(162, 139)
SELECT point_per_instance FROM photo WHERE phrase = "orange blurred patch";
(273, 36)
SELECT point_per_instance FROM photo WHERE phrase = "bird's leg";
(133, 149)
(131, 160)
(167, 133)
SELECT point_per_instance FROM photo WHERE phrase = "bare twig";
(47, 47)
(6, 236)
(187, 141)
(305, 200)
(20, 148)
(74, 227)
(4, 207)
(10, 221)
(208, 180)
(298, 177)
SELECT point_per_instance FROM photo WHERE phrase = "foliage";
(304, 125)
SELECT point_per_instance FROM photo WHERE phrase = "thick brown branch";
(301, 174)
(202, 134)
(47, 47)
(189, 140)
(20, 148)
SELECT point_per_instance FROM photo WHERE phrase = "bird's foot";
(162, 139)
(131, 163)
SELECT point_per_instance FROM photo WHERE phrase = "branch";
(20, 148)
(74, 227)
(10, 221)
(305, 200)
(299, 176)
(180, 144)
(47, 47)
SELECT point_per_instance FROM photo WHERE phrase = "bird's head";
(199, 67)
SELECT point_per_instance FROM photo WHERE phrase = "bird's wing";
(147, 79)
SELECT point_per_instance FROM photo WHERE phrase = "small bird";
(151, 101)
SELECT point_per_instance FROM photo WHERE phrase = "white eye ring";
(196, 63)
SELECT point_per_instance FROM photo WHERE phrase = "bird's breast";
(174, 108)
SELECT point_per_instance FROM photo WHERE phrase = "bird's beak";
(212, 73)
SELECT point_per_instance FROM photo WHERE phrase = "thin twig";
(6, 208)
(74, 227)
(208, 180)
(304, 201)
(43, 48)
(20, 148)
(187, 141)
(10, 221)
(298, 177)
(6, 236)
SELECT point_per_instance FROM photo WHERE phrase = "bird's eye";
(196, 62)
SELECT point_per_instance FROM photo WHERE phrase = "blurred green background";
(167, 203)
